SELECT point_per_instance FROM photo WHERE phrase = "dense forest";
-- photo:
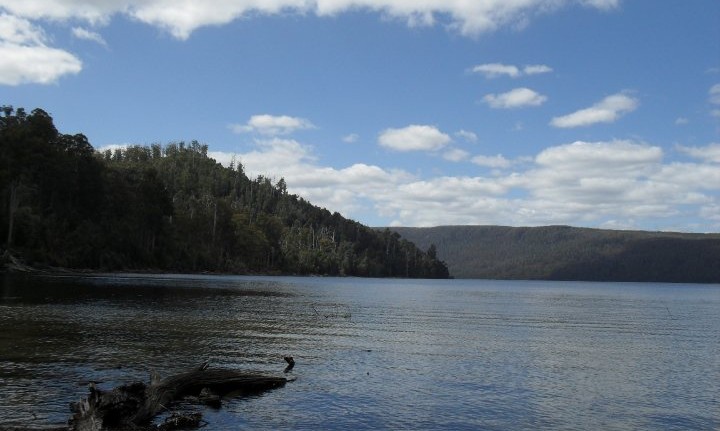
(568, 253)
(173, 208)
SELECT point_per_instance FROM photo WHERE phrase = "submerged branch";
(134, 406)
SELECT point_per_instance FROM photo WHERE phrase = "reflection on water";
(390, 354)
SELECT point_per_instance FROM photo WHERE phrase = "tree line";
(571, 253)
(173, 208)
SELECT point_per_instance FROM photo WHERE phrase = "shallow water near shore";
(374, 354)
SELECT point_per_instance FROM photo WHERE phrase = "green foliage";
(50, 182)
(174, 208)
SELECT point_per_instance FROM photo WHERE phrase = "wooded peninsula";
(172, 208)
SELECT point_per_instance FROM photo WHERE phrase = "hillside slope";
(567, 253)
(171, 208)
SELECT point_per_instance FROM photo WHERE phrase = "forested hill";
(172, 208)
(567, 253)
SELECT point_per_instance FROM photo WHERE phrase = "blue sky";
(597, 113)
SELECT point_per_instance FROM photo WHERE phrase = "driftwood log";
(134, 406)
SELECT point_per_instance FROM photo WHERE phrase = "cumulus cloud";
(272, 125)
(85, 34)
(583, 183)
(470, 18)
(709, 153)
(276, 152)
(537, 69)
(496, 162)
(182, 18)
(715, 94)
(602, 4)
(351, 138)
(456, 155)
(606, 183)
(33, 61)
(608, 110)
(595, 157)
(338, 189)
(494, 70)
(19, 31)
(112, 147)
(467, 136)
(414, 138)
(616, 180)
(517, 98)
(25, 57)
(711, 212)
(714, 98)
(592, 180)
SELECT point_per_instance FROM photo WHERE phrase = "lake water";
(375, 354)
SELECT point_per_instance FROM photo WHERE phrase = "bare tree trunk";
(214, 223)
(14, 202)
(134, 406)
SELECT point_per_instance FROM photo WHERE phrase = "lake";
(374, 353)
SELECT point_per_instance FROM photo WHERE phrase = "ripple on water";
(376, 354)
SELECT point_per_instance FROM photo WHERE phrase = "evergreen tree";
(174, 208)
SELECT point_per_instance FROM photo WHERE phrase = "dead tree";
(134, 406)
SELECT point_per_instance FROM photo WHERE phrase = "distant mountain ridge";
(570, 253)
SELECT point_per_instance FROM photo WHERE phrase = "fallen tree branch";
(134, 406)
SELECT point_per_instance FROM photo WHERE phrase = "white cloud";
(272, 125)
(613, 180)
(714, 98)
(85, 34)
(714, 94)
(617, 180)
(182, 18)
(470, 18)
(497, 162)
(614, 183)
(602, 4)
(112, 147)
(19, 31)
(341, 190)
(25, 57)
(32, 61)
(517, 98)
(277, 152)
(537, 69)
(351, 138)
(494, 70)
(414, 138)
(91, 11)
(711, 212)
(607, 110)
(709, 153)
(467, 136)
(594, 157)
(456, 155)
(628, 224)
(681, 121)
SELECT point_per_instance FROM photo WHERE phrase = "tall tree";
(173, 208)
(24, 144)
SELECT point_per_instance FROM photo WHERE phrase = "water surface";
(375, 354)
